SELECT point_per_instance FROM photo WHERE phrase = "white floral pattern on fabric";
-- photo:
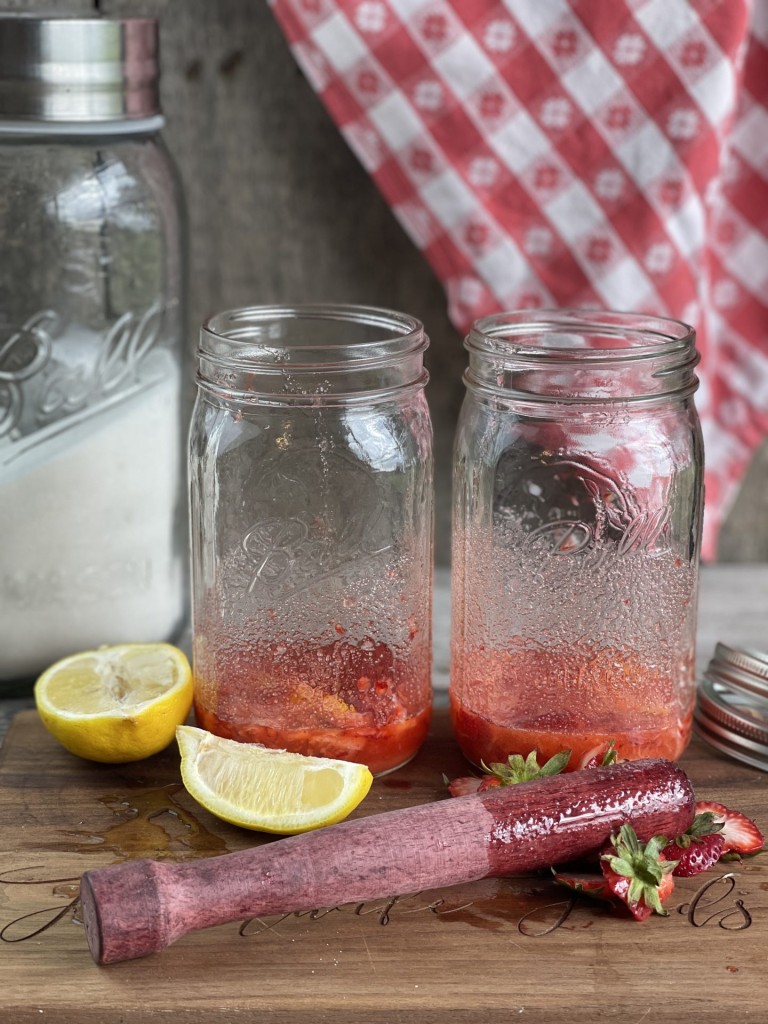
(606, 155)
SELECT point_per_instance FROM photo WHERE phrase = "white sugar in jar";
(92, 432)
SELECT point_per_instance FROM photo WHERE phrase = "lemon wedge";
(268, 790)
(116, 704)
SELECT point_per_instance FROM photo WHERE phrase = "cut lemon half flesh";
(268, 790)
(116, 704)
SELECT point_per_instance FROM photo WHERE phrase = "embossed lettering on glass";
(576, 537)
(311, 527)
(91, 328)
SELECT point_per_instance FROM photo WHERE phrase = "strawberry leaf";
(702, 825)
(611, 755)
(642, 865)
(519, 769)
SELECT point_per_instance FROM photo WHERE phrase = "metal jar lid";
(74, 70)
(732, 707)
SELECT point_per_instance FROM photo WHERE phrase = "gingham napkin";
(607, 153)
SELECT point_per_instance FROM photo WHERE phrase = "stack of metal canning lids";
(732, 707)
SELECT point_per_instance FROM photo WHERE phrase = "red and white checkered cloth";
(602, 153)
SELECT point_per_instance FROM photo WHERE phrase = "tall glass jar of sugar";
(92, 535)
(577, 518)
(311, 526)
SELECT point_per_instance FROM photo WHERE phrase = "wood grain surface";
(498, 950)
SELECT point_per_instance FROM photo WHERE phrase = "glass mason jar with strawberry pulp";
(311, 527)
(576, 537)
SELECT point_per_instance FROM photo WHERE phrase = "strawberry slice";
(638, 873)
(740, 834)
(697, 849)
(489, 782)
(599, 756)
(463, 786)
(593, 885)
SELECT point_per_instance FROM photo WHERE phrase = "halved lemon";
(116, 704)
(268, 790)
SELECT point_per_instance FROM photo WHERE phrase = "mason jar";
(311, 527)
(92, 429)
(576, 538)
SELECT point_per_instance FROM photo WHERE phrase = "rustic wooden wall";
(281, 211)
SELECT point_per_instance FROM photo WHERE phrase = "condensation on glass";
(311, 527)
(576, 537)
(92, 521)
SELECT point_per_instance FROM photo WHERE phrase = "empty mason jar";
(92, 431)
(576, 536)
(311, 526)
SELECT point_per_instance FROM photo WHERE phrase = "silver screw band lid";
(732, 705)
(73, 70)
(746, 668)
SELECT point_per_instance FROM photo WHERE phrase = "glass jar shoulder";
(631, 474)
(91, 228)
(668, 428)
(120, 169)
(383, 436)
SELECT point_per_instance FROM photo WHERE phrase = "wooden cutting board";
(494, 951)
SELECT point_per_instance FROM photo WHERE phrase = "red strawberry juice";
(543, 661)
(578, 503)
(354, 700)
(576, 698)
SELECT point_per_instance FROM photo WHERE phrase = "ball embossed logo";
(319, 514)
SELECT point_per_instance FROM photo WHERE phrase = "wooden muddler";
(141, 906)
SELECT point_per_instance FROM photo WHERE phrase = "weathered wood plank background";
(281, 211)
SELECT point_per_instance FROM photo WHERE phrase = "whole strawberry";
(697, 849)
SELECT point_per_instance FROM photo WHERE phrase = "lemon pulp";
(116, 704)
(268, 790)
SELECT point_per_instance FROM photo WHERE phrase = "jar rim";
(304, 353)
(522, 333)
(581, 357)
(259, 335)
